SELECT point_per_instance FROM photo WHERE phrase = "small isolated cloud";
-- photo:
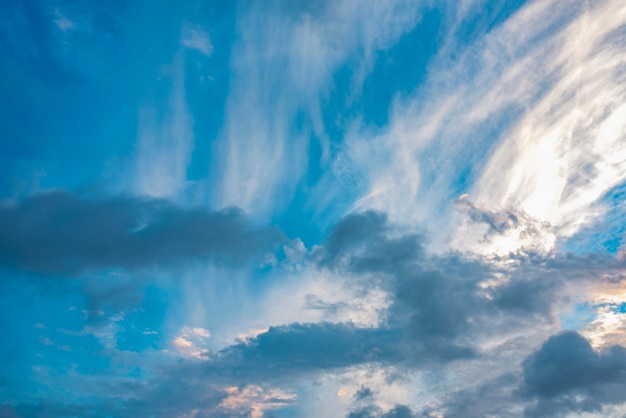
(191, 342)
(198, 332)
(62, 21)
(46, 341)
(195, 37)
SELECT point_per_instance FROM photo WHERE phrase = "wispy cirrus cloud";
(165, 142)
(165, 134)
(536, 105)
(274, 110)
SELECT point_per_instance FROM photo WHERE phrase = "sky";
(285, 208)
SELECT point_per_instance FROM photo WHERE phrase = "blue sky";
(312, 209)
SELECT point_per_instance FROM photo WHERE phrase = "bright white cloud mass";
(353, 209)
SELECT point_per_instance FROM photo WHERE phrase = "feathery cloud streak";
(346, 208)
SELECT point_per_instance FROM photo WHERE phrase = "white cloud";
(196, 38)
(256, 399)
(303, 295)
(537, 105)
(388, 387)
(282, 69)
(316, 296)
(191, 342)
(570, 147)
(165, 142)
(62, 21)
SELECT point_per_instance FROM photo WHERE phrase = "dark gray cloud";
(61, 233)
(439, 309)
(400, 411)
(437, 301)
(363, 393)
(299, 349)
(497, 397)
(439, 305)
(501, 221)
(527, 296)
(498, 222)
(567, 375)
(355, 234)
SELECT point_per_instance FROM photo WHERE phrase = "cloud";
(165, 142)
(450, 311)
(567, 375)
(434, 298)
(62, 22)
(255, 400)
(441, 307)
(400, 411)
(298, 349)
(283, 66)
(528, 117)
(495, 397)
(427, 310)
(196, 38)
(363, 393)
(494, 308)
(63, 234)
(507, 230)
(191, 341)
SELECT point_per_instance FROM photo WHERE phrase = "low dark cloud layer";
(440, 307)
(400, 411)
(63, 234)
(298, 349)
(567, 375)
(301, 348)
(438, 301)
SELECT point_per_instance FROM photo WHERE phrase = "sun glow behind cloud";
(346, 208)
